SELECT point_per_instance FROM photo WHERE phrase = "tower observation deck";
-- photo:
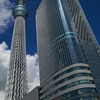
(17, 84)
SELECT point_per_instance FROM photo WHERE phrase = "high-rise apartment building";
(69, 55)
(17, 84)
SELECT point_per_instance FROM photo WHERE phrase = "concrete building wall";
(33, 95)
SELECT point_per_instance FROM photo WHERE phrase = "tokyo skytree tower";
(17, 84)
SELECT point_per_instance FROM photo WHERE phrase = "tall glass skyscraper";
(17, 84)
(69, 55)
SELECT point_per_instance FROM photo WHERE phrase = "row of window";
(63, 73)
(64, 80)
(86, 97)
(84, 91)
(73, 93)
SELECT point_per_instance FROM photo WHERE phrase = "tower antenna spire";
(21, 2)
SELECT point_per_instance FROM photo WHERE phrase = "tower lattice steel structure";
(17, 84)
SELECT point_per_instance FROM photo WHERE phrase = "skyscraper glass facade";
(68, 52)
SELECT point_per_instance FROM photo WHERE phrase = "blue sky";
(90, 7)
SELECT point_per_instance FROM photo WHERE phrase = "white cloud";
(33, 71)
(4, 53)
(2, 95)
(4, 59)
(32, 66)
(5, 14)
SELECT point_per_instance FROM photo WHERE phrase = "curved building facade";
(68, 52)
(73, 82)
